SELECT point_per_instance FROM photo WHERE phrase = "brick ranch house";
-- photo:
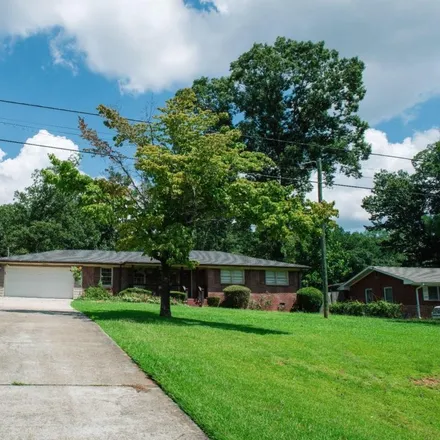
(49, 275)
(417, 289)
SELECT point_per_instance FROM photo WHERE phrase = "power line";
(83, 112)
(53, 147)
(61, 109)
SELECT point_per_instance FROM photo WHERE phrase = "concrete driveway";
(62, 378)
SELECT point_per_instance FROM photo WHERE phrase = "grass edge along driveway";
(243, 375)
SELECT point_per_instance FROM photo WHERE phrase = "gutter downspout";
(419, 315)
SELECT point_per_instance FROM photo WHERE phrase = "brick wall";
(402, 293)
(283, 297)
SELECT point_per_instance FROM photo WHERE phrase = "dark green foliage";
(213, 301)
(407, 208)
(236, 297)
(353, 308)
(289, 94)
(380, 309)
(308, 299)
(44, 218)
(134, 290)
(96, 293)
(178, 296)
(383, 309)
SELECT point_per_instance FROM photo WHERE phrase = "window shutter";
(225, 277)
(282, 278)
(270, 278)
(425, 293)
(262, 276)
(237, 277)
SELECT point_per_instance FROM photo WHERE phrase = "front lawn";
(244, 375)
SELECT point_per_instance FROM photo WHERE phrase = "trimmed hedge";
(380, 309)
(383, 309)
(178, 296)
(96, 293)
(236, 297)
(213, 301)
(309, 299)
(352, 308)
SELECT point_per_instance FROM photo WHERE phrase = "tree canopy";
(407, 207)
(295, 102)
(189, 174)
(44, 218)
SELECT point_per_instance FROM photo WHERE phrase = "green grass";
(244, 375)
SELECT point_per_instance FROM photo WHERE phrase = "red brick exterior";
(283, 297)
(402, 293)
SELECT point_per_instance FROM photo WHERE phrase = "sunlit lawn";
(244, 375)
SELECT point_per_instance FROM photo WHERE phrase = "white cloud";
(349, 200)
(152, 45)
(16, 172)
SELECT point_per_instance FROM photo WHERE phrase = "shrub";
(96, 293)
(309, 299)
(261, 302)
(383, 309)
(213, 301)
(353, 308)
(134, 291)
(236, 297)
(178, 296)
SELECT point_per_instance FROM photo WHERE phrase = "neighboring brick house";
(49, 275)
(417, 289)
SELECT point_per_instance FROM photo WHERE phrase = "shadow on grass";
(147, 317)
(416, 321)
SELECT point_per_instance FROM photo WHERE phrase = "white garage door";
(39, 282)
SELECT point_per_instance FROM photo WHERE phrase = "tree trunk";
(165, 303)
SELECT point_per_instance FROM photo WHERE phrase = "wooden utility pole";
(323, 245)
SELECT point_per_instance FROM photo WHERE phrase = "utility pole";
(323, 244)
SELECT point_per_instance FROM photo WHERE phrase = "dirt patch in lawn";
(429, 382)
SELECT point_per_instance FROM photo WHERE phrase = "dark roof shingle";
(205, 258)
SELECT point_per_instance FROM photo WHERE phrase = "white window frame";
(366, 294)
(426, 294)
(392, 294)
(277, 282)
(227, 276)
(100, 276)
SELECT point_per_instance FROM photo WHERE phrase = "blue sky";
(128, 54)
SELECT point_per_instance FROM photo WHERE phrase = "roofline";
(152, 264)
(370, 269)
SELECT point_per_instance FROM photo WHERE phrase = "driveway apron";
(62, 378)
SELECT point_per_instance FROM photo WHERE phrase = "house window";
(388, 294)
(107, 277)
(433, 294)
(139, 277)
(277, 278)
(368, 295)
(232, 276)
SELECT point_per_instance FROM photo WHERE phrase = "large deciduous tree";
(407, 207)
(190, 173)
(44, 218)
(295, 102)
